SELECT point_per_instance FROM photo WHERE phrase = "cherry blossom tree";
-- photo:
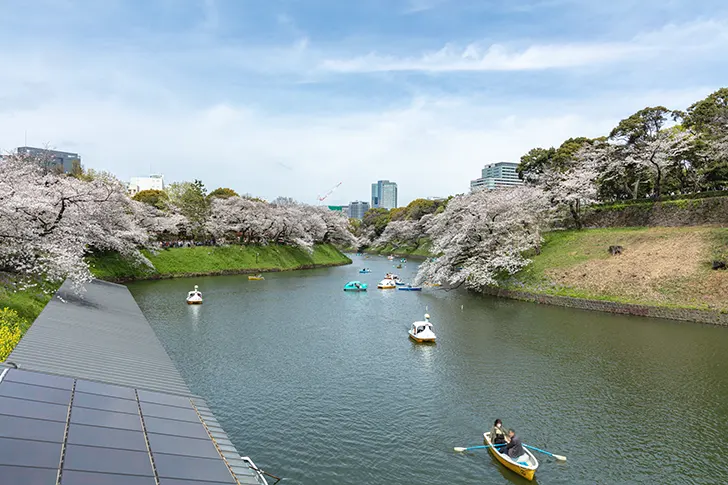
(49, 221)
(484, 236)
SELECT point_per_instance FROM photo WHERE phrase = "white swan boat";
(422, 331)
(194, 297)
(386, 284)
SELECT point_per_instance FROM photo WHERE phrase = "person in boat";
(514, 448)
(498, 434)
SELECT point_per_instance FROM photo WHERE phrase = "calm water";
(324, 387)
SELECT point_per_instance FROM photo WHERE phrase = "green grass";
(215, 260)
(28, 302)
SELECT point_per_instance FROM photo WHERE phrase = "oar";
(460, 449)
(558, 457)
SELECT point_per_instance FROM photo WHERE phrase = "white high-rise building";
(496, 176)
(153, 182)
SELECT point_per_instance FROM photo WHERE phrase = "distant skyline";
(288, 98)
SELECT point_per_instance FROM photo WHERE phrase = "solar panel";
(187, 468)
(169, 412)
(175, 445)
(31, 409)
(20, 474)
(72, 477)
(105, 403)
(107, 419)
(105, 389)
(106, 441)
(36, 393)
(175, 428)
(92, 459)
(29, 453)
(39, 379)
(105, 437)
(31, 429)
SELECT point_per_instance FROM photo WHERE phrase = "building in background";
(66, 162)
(384, 195)
(357, 209)
(339, 208)
(497, 176)
(137, 184)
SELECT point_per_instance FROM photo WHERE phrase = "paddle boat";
(194, 297)
(390, 257)
(421, 332)
(409, 288)
(391, 276)
(365, 271)
(386, 284)
(355, 286)
(258, 277)
(399, 282)
(399, 266)
(525, 465)
(403, 260)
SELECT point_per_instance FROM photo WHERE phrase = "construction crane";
(322, 198)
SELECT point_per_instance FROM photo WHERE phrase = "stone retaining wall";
(709, 211)
(684, 314)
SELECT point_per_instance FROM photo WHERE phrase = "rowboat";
(409, 288)
(525, 465)
(194, 297)
(365, 271)
(256, 278)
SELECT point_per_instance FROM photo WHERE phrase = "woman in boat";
(498, 434)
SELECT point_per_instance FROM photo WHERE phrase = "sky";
(291, 97)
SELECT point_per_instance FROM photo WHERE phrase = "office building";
(52, 159)
(153, 182)
(384, 195)
(357, 209)
(497, 176)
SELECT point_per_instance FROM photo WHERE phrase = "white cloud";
(673, 39)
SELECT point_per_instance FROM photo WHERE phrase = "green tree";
(376, 219)
(223, 193)
(708, 119)
(156, 198)
(420, 207)
(191, 200)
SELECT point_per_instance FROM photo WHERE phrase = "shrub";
(12, 328)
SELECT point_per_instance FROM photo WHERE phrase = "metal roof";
(59, 430)
(98, 400)
(101, 335)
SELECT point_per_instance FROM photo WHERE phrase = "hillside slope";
(659, 266)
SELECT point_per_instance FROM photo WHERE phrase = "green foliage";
(538, 160)
(705, 115)
(376, 219)
(420, 207)
(214, 260)
(642, 125)
(156, 198)
(18, 309)
(191, 200)
(223, 193)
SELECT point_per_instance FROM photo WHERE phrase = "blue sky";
(289, 97)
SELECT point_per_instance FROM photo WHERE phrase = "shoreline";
(224, 272)
(709, 317)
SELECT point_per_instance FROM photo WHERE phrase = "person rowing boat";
(514, 448)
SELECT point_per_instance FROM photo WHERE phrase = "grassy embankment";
(18, 310)
(178, 262)
(420, 250)
(669, 267)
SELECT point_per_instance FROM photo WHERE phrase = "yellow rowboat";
(525, 465)
(256, 278)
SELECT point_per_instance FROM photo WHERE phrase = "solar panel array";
(64, 431)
